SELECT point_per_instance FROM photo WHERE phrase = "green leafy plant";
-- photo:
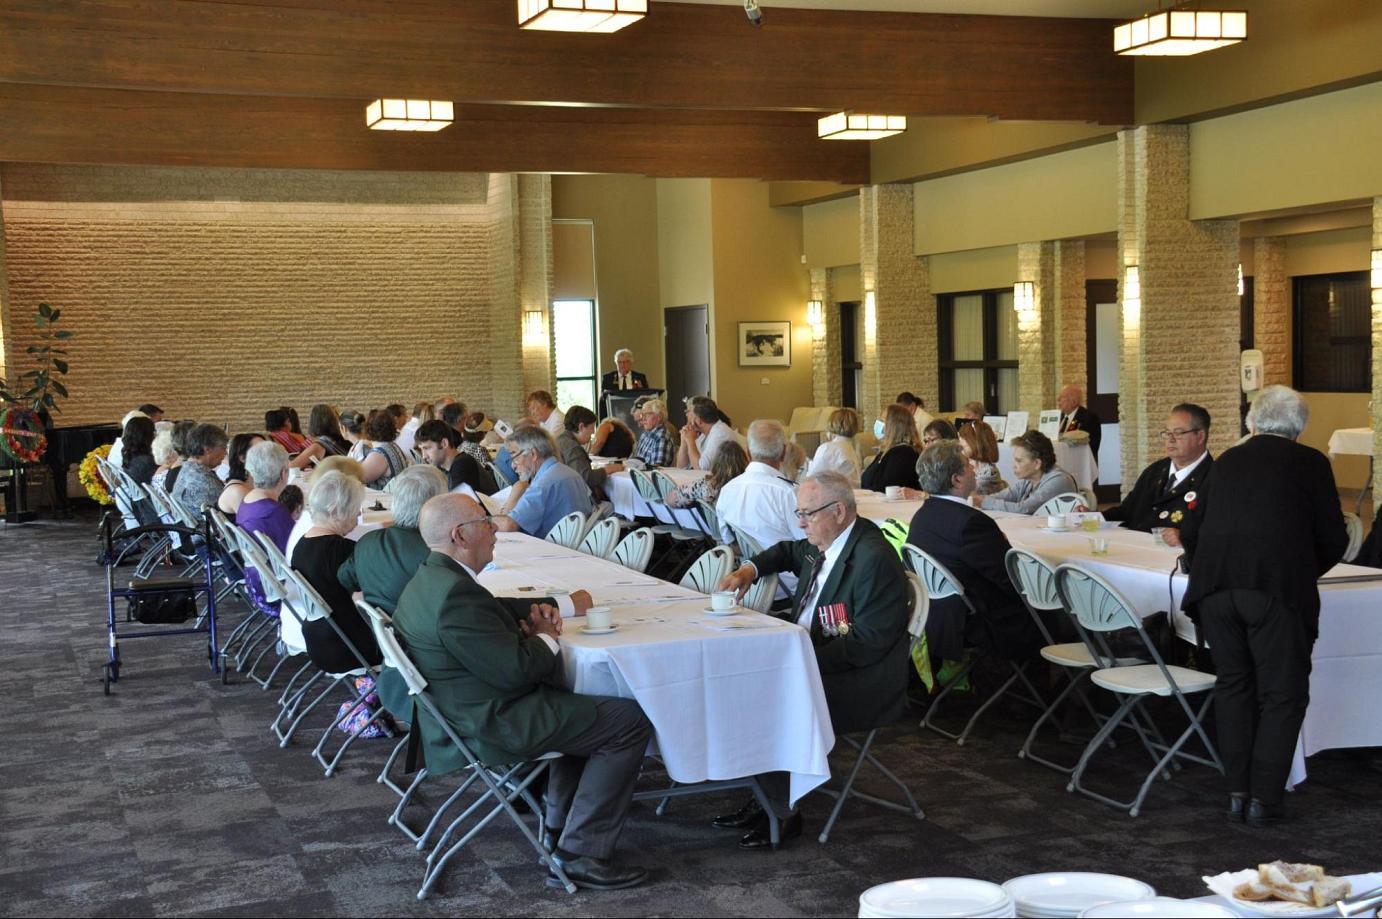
(40, 388)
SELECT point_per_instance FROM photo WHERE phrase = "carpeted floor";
(171, 798)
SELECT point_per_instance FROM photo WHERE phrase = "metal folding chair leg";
(1074, 684)
(404, 799)
(383, 778)
(928, 720)
(847, 790)
(292, 728)
(354, 735)
(1019, 673)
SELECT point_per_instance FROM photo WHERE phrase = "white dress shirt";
(764, 505)
(407, 436)
(832, 555)
(837, 454)
(1179, 475)
(555, 423)
(709, 442)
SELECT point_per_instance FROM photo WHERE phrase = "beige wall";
(573, 260)
(1328, 253)
(937, 146)
(1101, 259)
(1327, 145)
(685, 260)
(623, 210)
(977, 269)
(1328, 413)
(845, 284)
(830, 233)
(758, 276)
(1074, 193)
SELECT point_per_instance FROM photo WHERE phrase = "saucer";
(1056, 529)
(589, 631)
(732, 611)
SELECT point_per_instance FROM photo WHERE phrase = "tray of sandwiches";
(1288, 889)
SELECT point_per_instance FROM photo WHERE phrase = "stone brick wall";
(1271, 308)
(825, 349)
(1182, 343)
(901, 353)
(1036, 329)
(220, 293)
(1071, 343)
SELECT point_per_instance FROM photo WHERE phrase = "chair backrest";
(635, 551)
(1355, 535)
(709, 569)
(663, 483)
(282, 568)
(709, 519)
(602, 538)
(269, 581)
(939, 582)
(1061, 504)
(920, 606)
(221, 527)
(500, 479)
(568, 530)
(392, 651)
(748, 546)
(1093, 601)
(318, 608)
(760, 595)
(645, 487)
(1034, 579)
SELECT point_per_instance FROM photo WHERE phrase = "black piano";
(67, 446)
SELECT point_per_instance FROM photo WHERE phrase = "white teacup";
(1055, 521)
(894, 492)
(722, 600)
(598, 617)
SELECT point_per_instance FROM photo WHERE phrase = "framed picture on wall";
(765, 344)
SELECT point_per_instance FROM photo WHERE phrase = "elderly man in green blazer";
(852, 596)
(492, 667)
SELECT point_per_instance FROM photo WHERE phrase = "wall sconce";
(815, 318)
(870, 320)
(1024, 298)
(1132, 297)
(1240, 280)
(1377, 269)
(532, 327)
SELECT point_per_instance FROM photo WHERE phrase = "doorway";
(686, 338)
(1103, 347)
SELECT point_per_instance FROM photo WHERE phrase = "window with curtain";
(573, 331)
(978, 350)
(1333, 332)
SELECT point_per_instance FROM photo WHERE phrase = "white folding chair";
(502, 784)
(568, 530)
(748, 546)
(708, 570)
(1099, 609)
(710, 520)
(761, 595)
(602, 538)
(1062, 504)
(940, 585)
(1354, 523)
(918, 606)
(635, 550)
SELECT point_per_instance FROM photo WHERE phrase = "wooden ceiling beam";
(76, 125)
(682, 56)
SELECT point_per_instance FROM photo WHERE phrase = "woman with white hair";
(164, 455)
(266, 464)
(1265, 526)
(334, 504)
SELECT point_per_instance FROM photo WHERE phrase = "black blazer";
(864, 673)
(968, 542)
(1271, 522)
(1150, 505)
(896, 467)
(610, 381)
(1085, 420)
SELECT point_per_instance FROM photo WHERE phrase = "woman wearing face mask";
(899, 447)
(1039, 479)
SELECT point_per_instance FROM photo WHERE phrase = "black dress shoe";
(744, 817)
(1260, 814)
(1237, 806)
(758, 837)
(596, 873)
(549, 837)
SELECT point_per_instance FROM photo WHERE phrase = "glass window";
(573, 332)
(978, 359)
(1333, 326)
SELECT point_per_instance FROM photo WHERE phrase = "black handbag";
(162, 601)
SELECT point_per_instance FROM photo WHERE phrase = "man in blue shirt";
(547, 489)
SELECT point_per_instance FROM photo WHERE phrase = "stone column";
(1036, 328)
(1376, 413)
(535, 277)
(1271, 309)
(4, 304)
(900, 343)
(1180, 329)
(1072, 334)
(825, 344)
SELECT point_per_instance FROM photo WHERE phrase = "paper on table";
(735, 623)
(1049, 422)
(1017, 424)
(999, 423)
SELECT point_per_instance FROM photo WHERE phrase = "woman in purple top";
(266, 463)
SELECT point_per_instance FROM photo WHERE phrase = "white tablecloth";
(1352, 441)
(725, 702)
(1078, 460)
(629, 504)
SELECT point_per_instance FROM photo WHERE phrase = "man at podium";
(624, 378)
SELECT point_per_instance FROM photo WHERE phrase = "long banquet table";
(728, 697)
(1347, 677)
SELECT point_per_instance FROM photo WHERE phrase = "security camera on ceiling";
(752, 11)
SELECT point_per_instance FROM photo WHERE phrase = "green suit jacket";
(864, 673)
(383, 563)
(496, 687)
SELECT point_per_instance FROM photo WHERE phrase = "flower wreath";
(89, 474)
(21, 435)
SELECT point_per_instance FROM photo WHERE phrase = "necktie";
(623, 381)
(810, 583)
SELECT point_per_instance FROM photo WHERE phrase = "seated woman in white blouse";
(1039, 479)
(838, 452)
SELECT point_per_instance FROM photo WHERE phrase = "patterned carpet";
(171, 798)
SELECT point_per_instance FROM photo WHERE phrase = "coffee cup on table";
(894, 492)
(1055, 522)
(722, 600)
(598, 617)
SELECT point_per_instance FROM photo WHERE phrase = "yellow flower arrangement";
(90, 476)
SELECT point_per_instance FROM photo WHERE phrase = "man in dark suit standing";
(1075, 416)
(492, 668)
(624, 378)
(1168, 490)
(1270, 527)
(852, 595)
(966, 541)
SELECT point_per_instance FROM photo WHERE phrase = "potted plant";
(24, 408)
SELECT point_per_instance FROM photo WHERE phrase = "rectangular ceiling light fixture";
(1180, 32)
(409, 114)
(580, 15)
(852, 126)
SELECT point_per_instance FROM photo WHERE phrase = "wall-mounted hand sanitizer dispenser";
(1250, 370)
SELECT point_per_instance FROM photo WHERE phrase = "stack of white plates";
(948, 897)
(1159, 908)
(1068, 893)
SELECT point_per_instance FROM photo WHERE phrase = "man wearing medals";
(852, 596)
(1168, 489)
